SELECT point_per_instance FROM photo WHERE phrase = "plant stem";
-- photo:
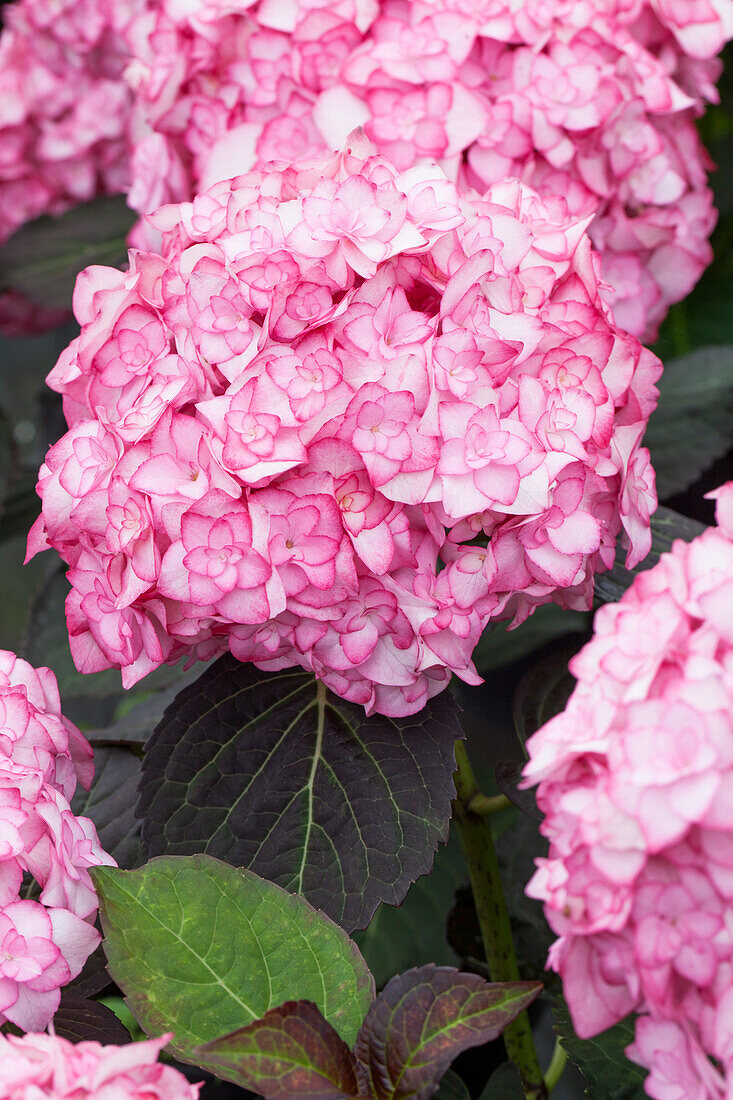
(485, 806)
(483, 869)
(556, 1066)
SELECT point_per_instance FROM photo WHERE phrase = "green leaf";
(110, 803)
(667, 525)
(41, 261)
(424, 1018)
(508, 775)
(498, 646)
(91, 699)
(504, 1084)
(452, 1087)
(413, 933)
(201, 949)
(517, 849)
(601, 1060)
(272, 772)
(691, 426)
(80, 1020)
(544, 690)
(8, 458)
(292, 1051)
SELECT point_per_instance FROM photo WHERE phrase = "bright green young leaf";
(201, 949)
(291, 1053)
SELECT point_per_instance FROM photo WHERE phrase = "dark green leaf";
(110, 803)
(517, 849)
(201, 949)
(291, 1052)
(413, 933)
(8, 458)
(667, 526)
(80, 1020)
(19, 512)
(498, 646)
(601, 1060)
(508, 776)
(452, 1087)
(504, 1084)
(272, 772)
(424, 1018)
(92, 699)
(544, 690)
(41, 261)
(691, 426)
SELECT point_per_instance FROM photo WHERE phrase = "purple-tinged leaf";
(291, 1052)
(424, 1018)
(94, 978)
(269, 771)
(80, 1020)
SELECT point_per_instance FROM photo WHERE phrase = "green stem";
(556, 1066)
(484, 806)
(483, 869)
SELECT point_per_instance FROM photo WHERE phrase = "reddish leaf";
(291, 1051)
(424, 1018)
(80, 1020)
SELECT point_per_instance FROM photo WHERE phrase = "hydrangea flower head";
(342, 420)
(38, 1065)
(590, 99)
(64, 119)
(635, 779)
(44, 943)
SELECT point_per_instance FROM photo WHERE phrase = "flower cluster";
(37, 1066)
(44, 943)
(64, 119)
(344, 419)
(590, 99)
(64, 107)
(635, 779)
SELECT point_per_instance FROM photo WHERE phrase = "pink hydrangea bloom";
(594, 101)
(44, 943)
(64, 119)
(636, 783)
(591, 99)
(342, 420)
(45, 1065)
